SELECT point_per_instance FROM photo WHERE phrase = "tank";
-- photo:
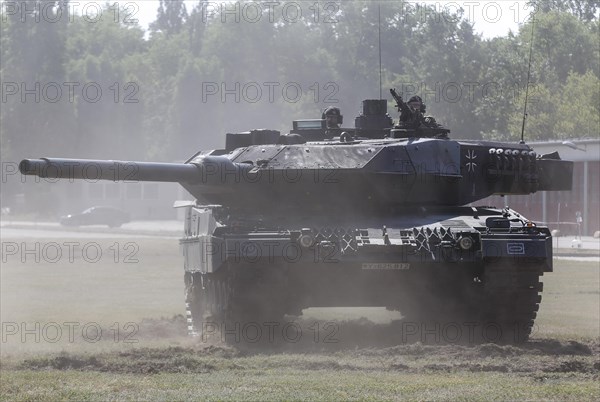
(372, 215)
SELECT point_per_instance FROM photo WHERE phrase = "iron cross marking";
(471, 164)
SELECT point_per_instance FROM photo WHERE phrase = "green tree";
(579, 107)
(563, 45)
(542, 115)
(104, 56)
(32, 57)
(170, 18)
(574, 112)
(35, 115)
(585, 10)
(445, 62)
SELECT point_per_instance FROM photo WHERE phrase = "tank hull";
(456, 266)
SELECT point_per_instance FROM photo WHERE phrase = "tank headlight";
(306, 240)
(465, 243)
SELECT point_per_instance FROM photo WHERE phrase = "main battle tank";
(375, 215)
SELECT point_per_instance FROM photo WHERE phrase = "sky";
(491, 18)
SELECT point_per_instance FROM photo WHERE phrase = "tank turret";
(369, 175)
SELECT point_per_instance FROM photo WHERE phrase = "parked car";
(113, 217)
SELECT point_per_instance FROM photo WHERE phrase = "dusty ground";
(113, 329)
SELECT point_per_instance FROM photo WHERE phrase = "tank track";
(511, 299)
(502, 299)
(499, 302)
(208, 299)
(223, 300)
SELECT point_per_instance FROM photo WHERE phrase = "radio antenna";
(379, 32)
(528, 77)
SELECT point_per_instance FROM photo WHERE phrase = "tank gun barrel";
(88, 169)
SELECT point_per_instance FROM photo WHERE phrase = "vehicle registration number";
(388, 266)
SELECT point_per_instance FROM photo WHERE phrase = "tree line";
(99, 86)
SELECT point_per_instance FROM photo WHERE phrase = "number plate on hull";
(387, 266)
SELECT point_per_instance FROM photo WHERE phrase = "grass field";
(113, 329)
